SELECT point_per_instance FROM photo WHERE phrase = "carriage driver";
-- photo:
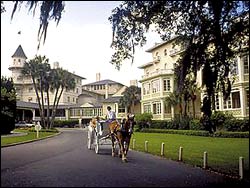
(110, 115)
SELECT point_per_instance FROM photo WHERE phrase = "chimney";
(56, 65)
(106, 91)
(134, 83)
(98, 76)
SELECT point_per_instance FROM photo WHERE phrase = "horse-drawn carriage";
(111, 133)
(98, 134)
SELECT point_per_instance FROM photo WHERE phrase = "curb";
(28, 141)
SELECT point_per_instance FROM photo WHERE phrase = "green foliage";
(8, 105)
(131, 97)
(222, 134)
(223, 153)
(143, 120)
(218, 118)
(159, 124)
(211, 33)
(49, 10)
(53, 130)
(236, 125)
(65, 123)
(195, 125)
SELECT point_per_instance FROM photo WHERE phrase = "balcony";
(176, 51)
(157, 73)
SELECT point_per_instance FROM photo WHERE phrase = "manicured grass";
(223, 153)
(30, 136)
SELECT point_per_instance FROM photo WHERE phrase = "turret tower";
(18, 60)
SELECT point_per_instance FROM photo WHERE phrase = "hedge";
(223, 134)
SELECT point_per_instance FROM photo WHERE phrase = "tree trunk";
(57, 102)
(193, 106)
(43, 116)
(38, 98)
(48, 112)
(53, 109)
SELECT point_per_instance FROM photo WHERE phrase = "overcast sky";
(80, 43)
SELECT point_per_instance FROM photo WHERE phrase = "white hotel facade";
(158, 82)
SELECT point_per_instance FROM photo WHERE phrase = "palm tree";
(30, 70)
(131, 97)
(189, 91)
(62, 80)
(174, 99)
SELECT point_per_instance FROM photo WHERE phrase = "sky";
(80, 42)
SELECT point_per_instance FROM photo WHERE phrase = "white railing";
(158, 72)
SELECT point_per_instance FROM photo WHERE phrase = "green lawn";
(30, 136)
(223, 153)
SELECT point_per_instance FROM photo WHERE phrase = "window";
(121, 109)
(227, 103)
(19, 60)
(167, 109)
(147, 108)
(146, 89)
(217, 104)
(68, 99)
(166, 85)
(233, 101)
(157, 108)
(155, 86)
(234, 68)
(77, 90)
(30, 99)
(236, 99)
(165, 52)
(247, 96)
(30, 89)
(245, 64)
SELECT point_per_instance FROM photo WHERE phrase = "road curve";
(65, 161)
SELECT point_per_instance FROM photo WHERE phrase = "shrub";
(8, 105)
(221, 134)
(195, 125)
(65, 123)
(236, 124)
(159, 124)
(218, 118)
(143, 120)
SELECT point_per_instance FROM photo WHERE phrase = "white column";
(162, 109)
(242, 101)
(34, 114)
(240, 69)
(67, 114)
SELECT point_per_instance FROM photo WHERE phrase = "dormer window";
(165, 52)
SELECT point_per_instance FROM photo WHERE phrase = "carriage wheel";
(89, 140)
(97, 144)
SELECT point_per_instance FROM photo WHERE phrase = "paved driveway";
(65, 161)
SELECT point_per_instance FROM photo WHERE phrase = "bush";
(32, 129)
(236, 125)
(159, 124)
(65, 123)
(221, 134)
(195, 125)
(8, 105)
(218, 118)
(143, 120)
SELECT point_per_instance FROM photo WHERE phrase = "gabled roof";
(103, 82)
(162, 43)
(19, 52)
(112, 99)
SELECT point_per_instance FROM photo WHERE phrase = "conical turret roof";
(19, 52)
